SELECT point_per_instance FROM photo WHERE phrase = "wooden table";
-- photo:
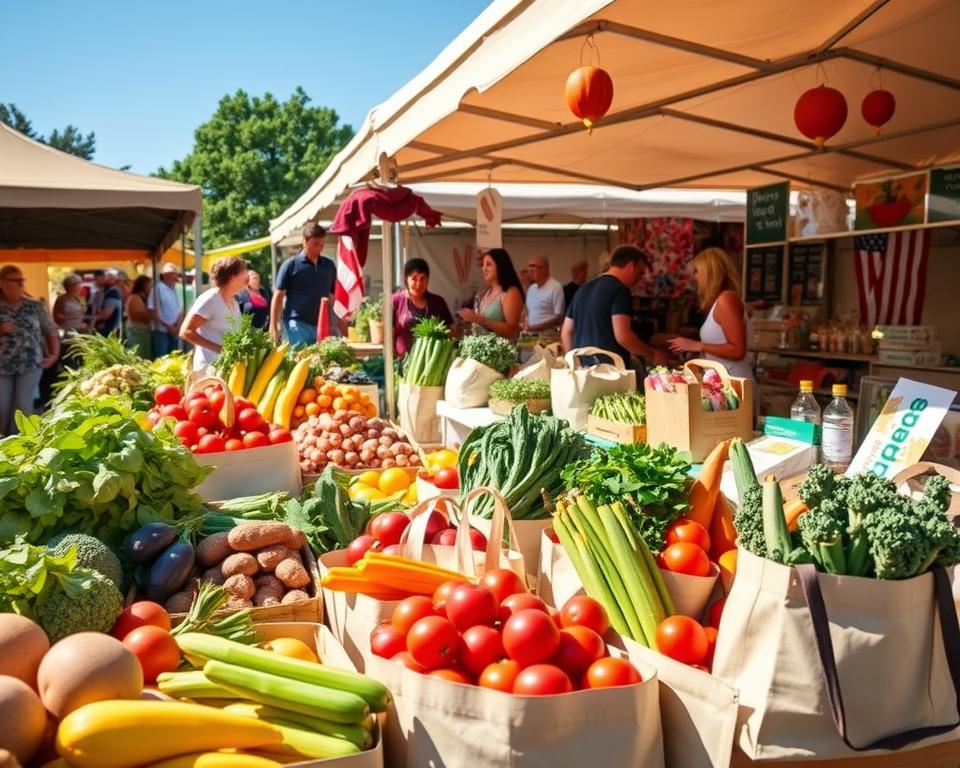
(946, 755)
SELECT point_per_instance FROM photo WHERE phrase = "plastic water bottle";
(805, 407)
(838, 431)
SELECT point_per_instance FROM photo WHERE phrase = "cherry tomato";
(255, 440)
(203, 415)
(683, 639)
(249, 419)
(502, 582)
(405, 659)
(610, 672)
(233, 444)
(139, 614)
(500, 676)
(479, 648)
(442, 594)
(447, 478)
(579, 647)
(684, 529)
(388, 527)
(446, 538)
(216, 398)
(279, 435)
(186, 431)
(241, 404)
(530, 637)
(357, 548)
(409, 611)
(583, 611)
(542, 680)
(477, 540)
(519, 602)
(387, 641)
(433, 642)
(155, 649)
(435, 523)
(684, 557)
(711, 633)
(451, 675)
(194, 397)
(211, 443)
(469, 605)
(174, 411)
(167, 394)
(716, 611)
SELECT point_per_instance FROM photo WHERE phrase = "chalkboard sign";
(768, 210)
(765, 274)
(807, 270)
(943, 201)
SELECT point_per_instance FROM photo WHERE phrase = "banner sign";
(489, 219)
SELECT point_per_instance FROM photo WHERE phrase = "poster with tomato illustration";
(894, 202)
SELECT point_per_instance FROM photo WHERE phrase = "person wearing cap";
(303, 281)
(110, 315)
(544, 299)
(166, 311)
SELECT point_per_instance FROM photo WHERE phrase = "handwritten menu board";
(768, 211)
(943, 201)
(765, 274)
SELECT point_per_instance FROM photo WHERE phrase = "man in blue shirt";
(109, 317)
(303, 280)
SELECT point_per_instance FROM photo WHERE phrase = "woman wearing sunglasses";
(28, 343)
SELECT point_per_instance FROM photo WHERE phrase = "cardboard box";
(804, 431)
(913, 333)
(250, 472)
(777, 456)
(615, 431)
(910, 356)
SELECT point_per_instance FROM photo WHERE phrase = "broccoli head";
(937, 492)
(83, 601)
(821, 532)
(748, 522)
(899, 542)
(817, 485)
(91, 553)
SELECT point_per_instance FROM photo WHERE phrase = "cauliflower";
(91, 553)
(84, 601)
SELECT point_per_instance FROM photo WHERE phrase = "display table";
(457, 423)
(946, 755)
(365, 349)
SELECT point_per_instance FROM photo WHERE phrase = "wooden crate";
(615, 431)
(946, 755)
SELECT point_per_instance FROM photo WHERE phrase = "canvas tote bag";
(573, 388)
(418, 412)
(468, 383)
(542, 361)
(831, 666)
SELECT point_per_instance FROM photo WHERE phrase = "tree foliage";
(253, 158)
(70, 139)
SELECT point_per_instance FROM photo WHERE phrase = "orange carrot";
(706, 488)
(792, 511)
(723, 536)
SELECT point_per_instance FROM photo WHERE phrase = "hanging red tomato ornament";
(820, 113)
(589, 93)
(877, 108)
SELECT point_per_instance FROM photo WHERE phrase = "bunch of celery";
(432, 353)
(614, 564)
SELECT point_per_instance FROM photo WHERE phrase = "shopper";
(544, 301)
(138, 317)
(110, 316)
(254, 300)
(499, 306)
(578, 275)
(95, 301)
(723, 335)
(302, 282)
(69, 310)
(413, 303)
(602, 311)
(166, 311)
(29, 343)
(215, 311)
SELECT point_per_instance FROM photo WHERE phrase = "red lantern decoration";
(589, 93)
(820, 113)
(877, 108)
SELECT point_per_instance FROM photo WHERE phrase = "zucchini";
(356, 734)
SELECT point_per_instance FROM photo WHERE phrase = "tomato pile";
(497, 635)
(386, 529)
(198, 420)
(144, 627)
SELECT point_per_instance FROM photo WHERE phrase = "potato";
(213, 549)
(240, 585)
(248, 537)
(294, 596)
(235, 603)
(214, 575)
(292, 573)
(179, 602)
(268, 581)
(265, 599)
(295, 543)
(240, 562)
(268, 557)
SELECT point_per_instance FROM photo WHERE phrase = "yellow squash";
(267, 403)
(269, 367)
(227, 759)
(235, 380)
(287, 401)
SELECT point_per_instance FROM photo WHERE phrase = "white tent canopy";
(50, 199)
(703, 96)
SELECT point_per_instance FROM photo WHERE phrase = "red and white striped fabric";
(349, 289)
(892, 276)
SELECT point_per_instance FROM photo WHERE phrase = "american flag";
(349, 288)
(892, 276)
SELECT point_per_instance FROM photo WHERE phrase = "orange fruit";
(292, 648)
(311, 409)
(307, 396)
(728, 562)
(324, 401)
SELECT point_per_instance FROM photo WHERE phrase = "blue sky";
(143, 75)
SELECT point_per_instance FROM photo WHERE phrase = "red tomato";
(392, 549)
(216, 399)
(684, 529)
(255, 440)
(186, 431)
(433, 642)
(684, 557)
(711, 633)
(610, 672)
(452, 675)
(279, 435)
(167, 394)
(201, 431)
(409, 611)
(479, 648)
(249, 419)
(701, 667)
(477, 540)
(139, 614)
(542, 680)
(203, 415)
(447, 537)
(579, 647)
(435, 523)
(683, 639)
(447, 478)
(388, 527)
(519, 602)
(583, 611)
(211, 444)
(233, 444)
(500, 676)
(716, 611)
(155, 649)
(405, 659)
(387, 641)
(174, 411)
(555, 615)
(153, 417)
(442, 594)
(241, 404)
(553, 537)
(469, 605)
(502, 582)
(357, 548)
(530, 637)
(194, 397)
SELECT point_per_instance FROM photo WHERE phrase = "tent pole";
(197, 260)
(386, 247)
(273, 264)
(183, 267)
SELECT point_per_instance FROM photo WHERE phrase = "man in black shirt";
(602, 310)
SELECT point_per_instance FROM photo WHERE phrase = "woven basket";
(503, 407)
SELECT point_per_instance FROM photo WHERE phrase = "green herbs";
(243, 343)
(431, 356)
(651, 480)
(622, 407)
(520, 390)
(329, 353)
(202, 616)
(370, 309)
(490, 350)
(90, 465)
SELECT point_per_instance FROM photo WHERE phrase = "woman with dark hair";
(254, 300)
(138, 317)
(499, 307)
(215, 311)
(413, 303)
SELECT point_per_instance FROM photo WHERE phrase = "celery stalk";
(647, 560)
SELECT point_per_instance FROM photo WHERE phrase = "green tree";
(69, 140)
(252, 159)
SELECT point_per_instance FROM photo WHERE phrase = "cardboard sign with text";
(489, 219)
(903, 430)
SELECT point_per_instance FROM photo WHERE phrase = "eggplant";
(145, 544)
(140, 575)
(170, 571)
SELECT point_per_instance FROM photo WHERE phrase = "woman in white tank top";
(723, 335)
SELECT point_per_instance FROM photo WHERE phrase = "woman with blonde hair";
(723, 335)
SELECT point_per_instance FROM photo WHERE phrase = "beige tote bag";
(468, 383)
(573, 389)
(418, 412)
